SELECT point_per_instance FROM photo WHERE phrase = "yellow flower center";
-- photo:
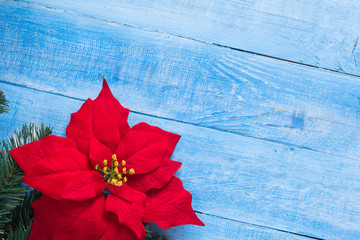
(112, 175)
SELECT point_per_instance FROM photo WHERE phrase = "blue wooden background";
(266, 96)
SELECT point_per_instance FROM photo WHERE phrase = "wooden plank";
(232, 176)
(179, 79)
(321, 33)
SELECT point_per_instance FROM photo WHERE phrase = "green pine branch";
(4, 107)
(150, 235)
(15, 197)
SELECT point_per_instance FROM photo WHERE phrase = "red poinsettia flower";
(105, 179)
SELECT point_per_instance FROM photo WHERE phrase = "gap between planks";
(261, 226)
(187, 38)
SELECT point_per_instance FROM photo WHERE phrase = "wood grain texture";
(232, 176)
(320, 33)
(179, 79)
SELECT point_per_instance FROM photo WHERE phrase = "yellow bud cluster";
(116, 182)
(111, 173)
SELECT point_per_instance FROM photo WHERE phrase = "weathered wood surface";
(322, 33)
(270, 148)
(232, 176)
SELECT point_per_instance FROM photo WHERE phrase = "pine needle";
(4, 107)
(151, 235)
(15, 197)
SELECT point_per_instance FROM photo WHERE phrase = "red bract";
(73, 205)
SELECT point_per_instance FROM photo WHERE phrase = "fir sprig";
(15, 198)
(4, 107)
(151, 235)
